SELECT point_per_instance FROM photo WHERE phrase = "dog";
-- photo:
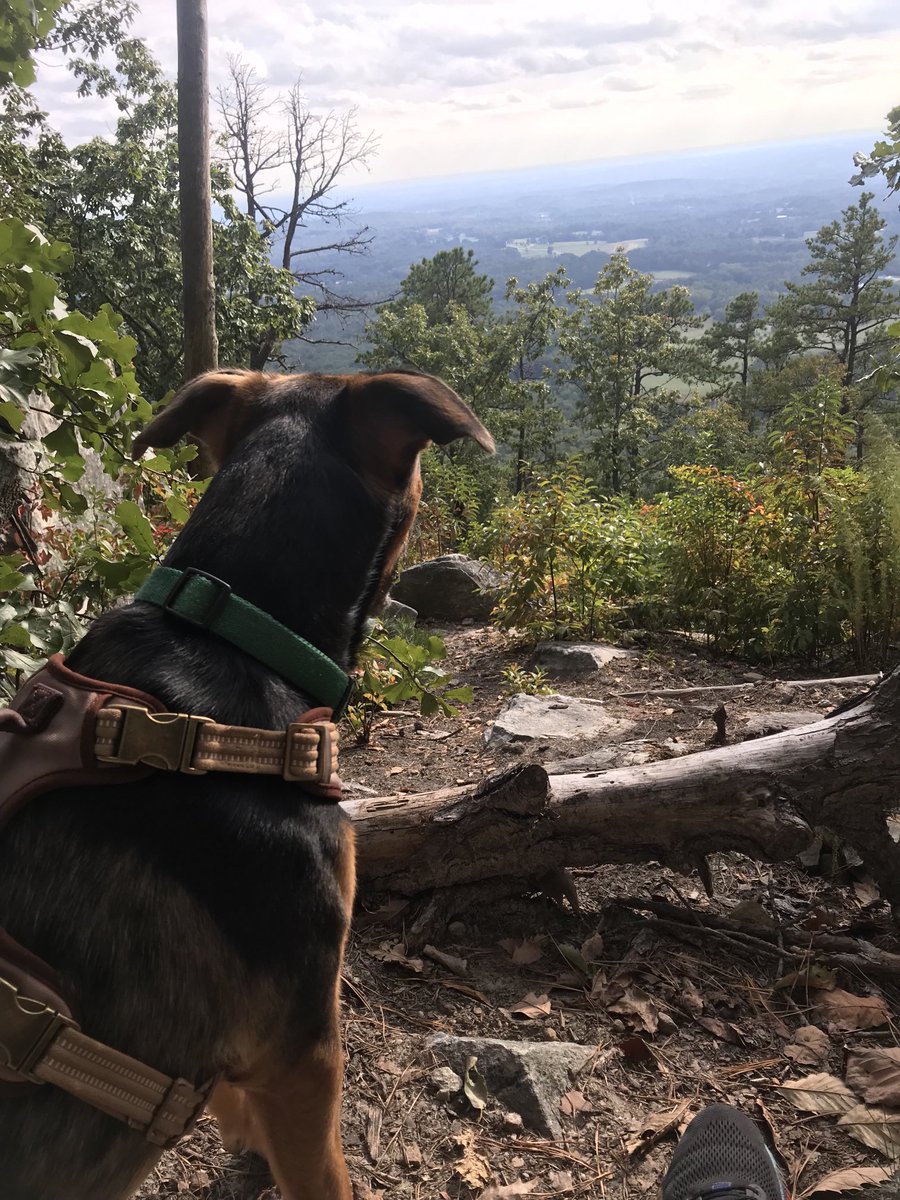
(198, 922)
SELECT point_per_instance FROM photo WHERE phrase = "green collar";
(209, 603)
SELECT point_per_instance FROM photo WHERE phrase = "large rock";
(531, 718)
(393, 611)
(527, 1077)
(576, 658)
(450, 588)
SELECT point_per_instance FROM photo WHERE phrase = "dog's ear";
(394, 416)
(216, 408)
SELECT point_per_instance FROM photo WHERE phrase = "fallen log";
(706, 688)
(761, 797)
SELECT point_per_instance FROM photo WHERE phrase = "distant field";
(554, 249)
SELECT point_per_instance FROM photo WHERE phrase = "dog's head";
(337, 449)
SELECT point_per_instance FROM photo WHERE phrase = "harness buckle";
(27, 1028)
(324, 758)
(163, 740)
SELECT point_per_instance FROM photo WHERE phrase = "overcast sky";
(463, 86)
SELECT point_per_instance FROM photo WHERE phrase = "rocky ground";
(597, 1033)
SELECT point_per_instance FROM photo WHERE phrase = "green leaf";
(136, 525)
(11, 413)
(15, 634)
(176, 507)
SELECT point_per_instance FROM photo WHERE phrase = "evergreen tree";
(626, 353)
(733, 341)
(847, 302)
(448, 278)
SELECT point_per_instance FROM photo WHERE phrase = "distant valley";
(719, 222)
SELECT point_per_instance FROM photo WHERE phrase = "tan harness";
(63, 729)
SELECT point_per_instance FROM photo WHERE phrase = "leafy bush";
(517, 681)
(69, 398)
(392, 670)
(575, 565)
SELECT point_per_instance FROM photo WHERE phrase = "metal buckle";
(164, 740)
(218, 602)
(27, 1028)
(323, 753)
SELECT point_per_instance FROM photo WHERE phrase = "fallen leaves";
(522, 1187)
(874, 1127)
(810, 1046)
(875, 1074)
(848, 1013)
(531, 1007)
(823, 1094)
(474, 1085)
(571, 1104)
(524, 952)
(850, 1180)
(470, 1166)
(656, 1127)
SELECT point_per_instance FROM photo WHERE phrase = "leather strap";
(41, 1044)
(159, 1107)
(208, 602)
(306, 752)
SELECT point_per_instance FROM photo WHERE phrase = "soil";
(678, 1016)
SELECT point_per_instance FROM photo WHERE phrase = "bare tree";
(280, 141)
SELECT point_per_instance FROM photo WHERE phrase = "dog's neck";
(291, 528)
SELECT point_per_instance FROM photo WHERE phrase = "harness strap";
(303, 753)
(40, 1045)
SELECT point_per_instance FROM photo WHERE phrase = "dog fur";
(198, 923)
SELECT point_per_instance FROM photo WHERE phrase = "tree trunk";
(201, 351)
(760, 797)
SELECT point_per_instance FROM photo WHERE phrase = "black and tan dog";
(198, 923)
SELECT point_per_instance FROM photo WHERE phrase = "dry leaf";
(822, 1093)
(751, 912)
(655, 1128)
(592, 949)
(848, 1012)
(724, 1030)
(810, 1046)
(573, 1103)
(874, 1127)
(561, 1181)
(875, 1074)
(412, 1154)
(523, 953)
(474, 1085)
(639, 1009)
(531, 1007)
(470, 1166)
(464, 989)
(497, 1191)
(394, 771)
(813, 975)
(394, 954)
(690, 997)
(866, 892)
(850, 1180)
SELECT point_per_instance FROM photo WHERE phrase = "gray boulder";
(576, 658)
(528, 1078)
(539, 718)
(392, 610)
(450, 588)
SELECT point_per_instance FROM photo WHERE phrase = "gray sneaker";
(723, 1156)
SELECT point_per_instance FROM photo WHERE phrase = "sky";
(460, 86)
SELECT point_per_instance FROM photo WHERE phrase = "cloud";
(622, 83)
(705, 91)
